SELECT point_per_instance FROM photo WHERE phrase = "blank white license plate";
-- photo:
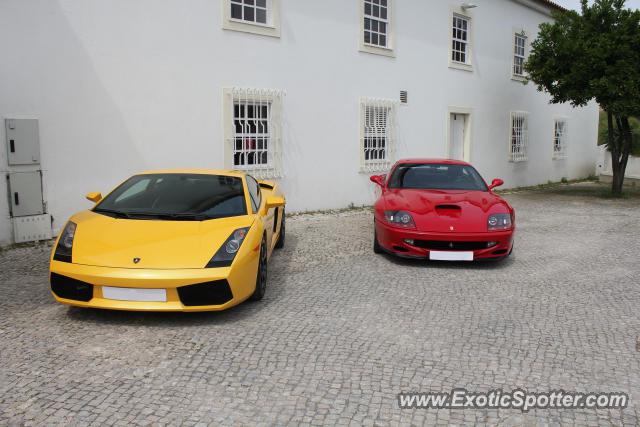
(134, 294)
(450, 256)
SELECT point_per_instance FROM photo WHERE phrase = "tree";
(594, 55)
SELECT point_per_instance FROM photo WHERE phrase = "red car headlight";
(499, 222)
(399, 219)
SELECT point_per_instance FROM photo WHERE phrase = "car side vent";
(455, 207)
(404, 97)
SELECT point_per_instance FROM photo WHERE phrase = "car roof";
(223, 172)
(434, 161)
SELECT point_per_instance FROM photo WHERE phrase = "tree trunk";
(612, 144)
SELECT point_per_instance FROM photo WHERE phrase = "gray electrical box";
(23, 141)
(25, 192)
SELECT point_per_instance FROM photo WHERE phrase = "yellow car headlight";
(64, 248)
(227, 252)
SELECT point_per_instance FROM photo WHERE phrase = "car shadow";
(465, 265)
(244, 310)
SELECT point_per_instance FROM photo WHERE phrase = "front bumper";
(393, 240)
(215, 288)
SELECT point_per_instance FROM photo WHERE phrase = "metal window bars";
(378, 142)
(519, 55)
(560, 139)
(253, 11)
(256, 131)
(376, 22)
(459, 39)
(519, 137)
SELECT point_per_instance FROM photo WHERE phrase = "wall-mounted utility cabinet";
(23, 141)
(25, 193)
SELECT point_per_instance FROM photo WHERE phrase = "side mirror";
(274, 202)
(496, 183)
(379, 179)
(95, 197)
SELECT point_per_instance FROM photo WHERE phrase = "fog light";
(408, 241)
(491, 244)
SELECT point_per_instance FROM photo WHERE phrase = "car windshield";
(176, 197)
(433, 176)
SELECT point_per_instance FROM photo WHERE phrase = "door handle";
(16, 199)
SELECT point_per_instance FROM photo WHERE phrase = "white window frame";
(560, 140)
(467, 65)
(377, 143)
(519, 35)
(518, 136)
(271, 28)
(389, 49)
(261, 144)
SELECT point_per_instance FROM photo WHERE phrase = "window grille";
(256, 131)
(519, 55)
(253, 11)
(560, 139)
(376, 22)
(519, 136)
(378, 134)
(460, 39)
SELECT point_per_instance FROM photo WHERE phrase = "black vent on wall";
(403, 97)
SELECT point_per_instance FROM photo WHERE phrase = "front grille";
(68, 288)
(208, 293)
(444, 245)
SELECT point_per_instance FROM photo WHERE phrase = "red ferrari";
(441, 210)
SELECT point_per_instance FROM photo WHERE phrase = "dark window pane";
(236, 11)
(383, 2)
(248, 13)
(376, 11)
(248, 1)
(261, 3)
(261, 16)
(367, 23)
(383, 13)
(383, 40)
(374, 38)
(367, 9)
(374, 25)
(382, 27)
(367, 37)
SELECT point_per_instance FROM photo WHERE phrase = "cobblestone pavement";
(342, 331)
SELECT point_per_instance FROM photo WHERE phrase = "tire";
(261, 276)
(376, 246)
(281, 237)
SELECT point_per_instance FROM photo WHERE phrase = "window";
(460, 40)
(377, 134)
(519, 136)
(254, 193)
(376, 22)
(520, 42)
(560, 139)
(254, 11)
(252, 16)
(375, 27)
(253, 130)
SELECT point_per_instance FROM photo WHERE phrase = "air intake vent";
(403, 97)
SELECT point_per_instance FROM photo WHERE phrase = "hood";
(438, 210)
(113, 242)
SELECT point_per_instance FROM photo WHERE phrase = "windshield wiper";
(113, 212)
(171, 216)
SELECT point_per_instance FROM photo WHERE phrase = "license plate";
(134, 294)
(450, 256)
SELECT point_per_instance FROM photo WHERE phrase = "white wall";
(122, 86)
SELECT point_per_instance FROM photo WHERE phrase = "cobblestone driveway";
(342, 331)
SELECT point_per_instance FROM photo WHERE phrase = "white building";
(123, 86)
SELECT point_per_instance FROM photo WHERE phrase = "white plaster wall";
(126, 85)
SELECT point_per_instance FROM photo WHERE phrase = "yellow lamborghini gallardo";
(171, 240)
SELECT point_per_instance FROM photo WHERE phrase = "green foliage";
(593, 55)
(603, 133)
